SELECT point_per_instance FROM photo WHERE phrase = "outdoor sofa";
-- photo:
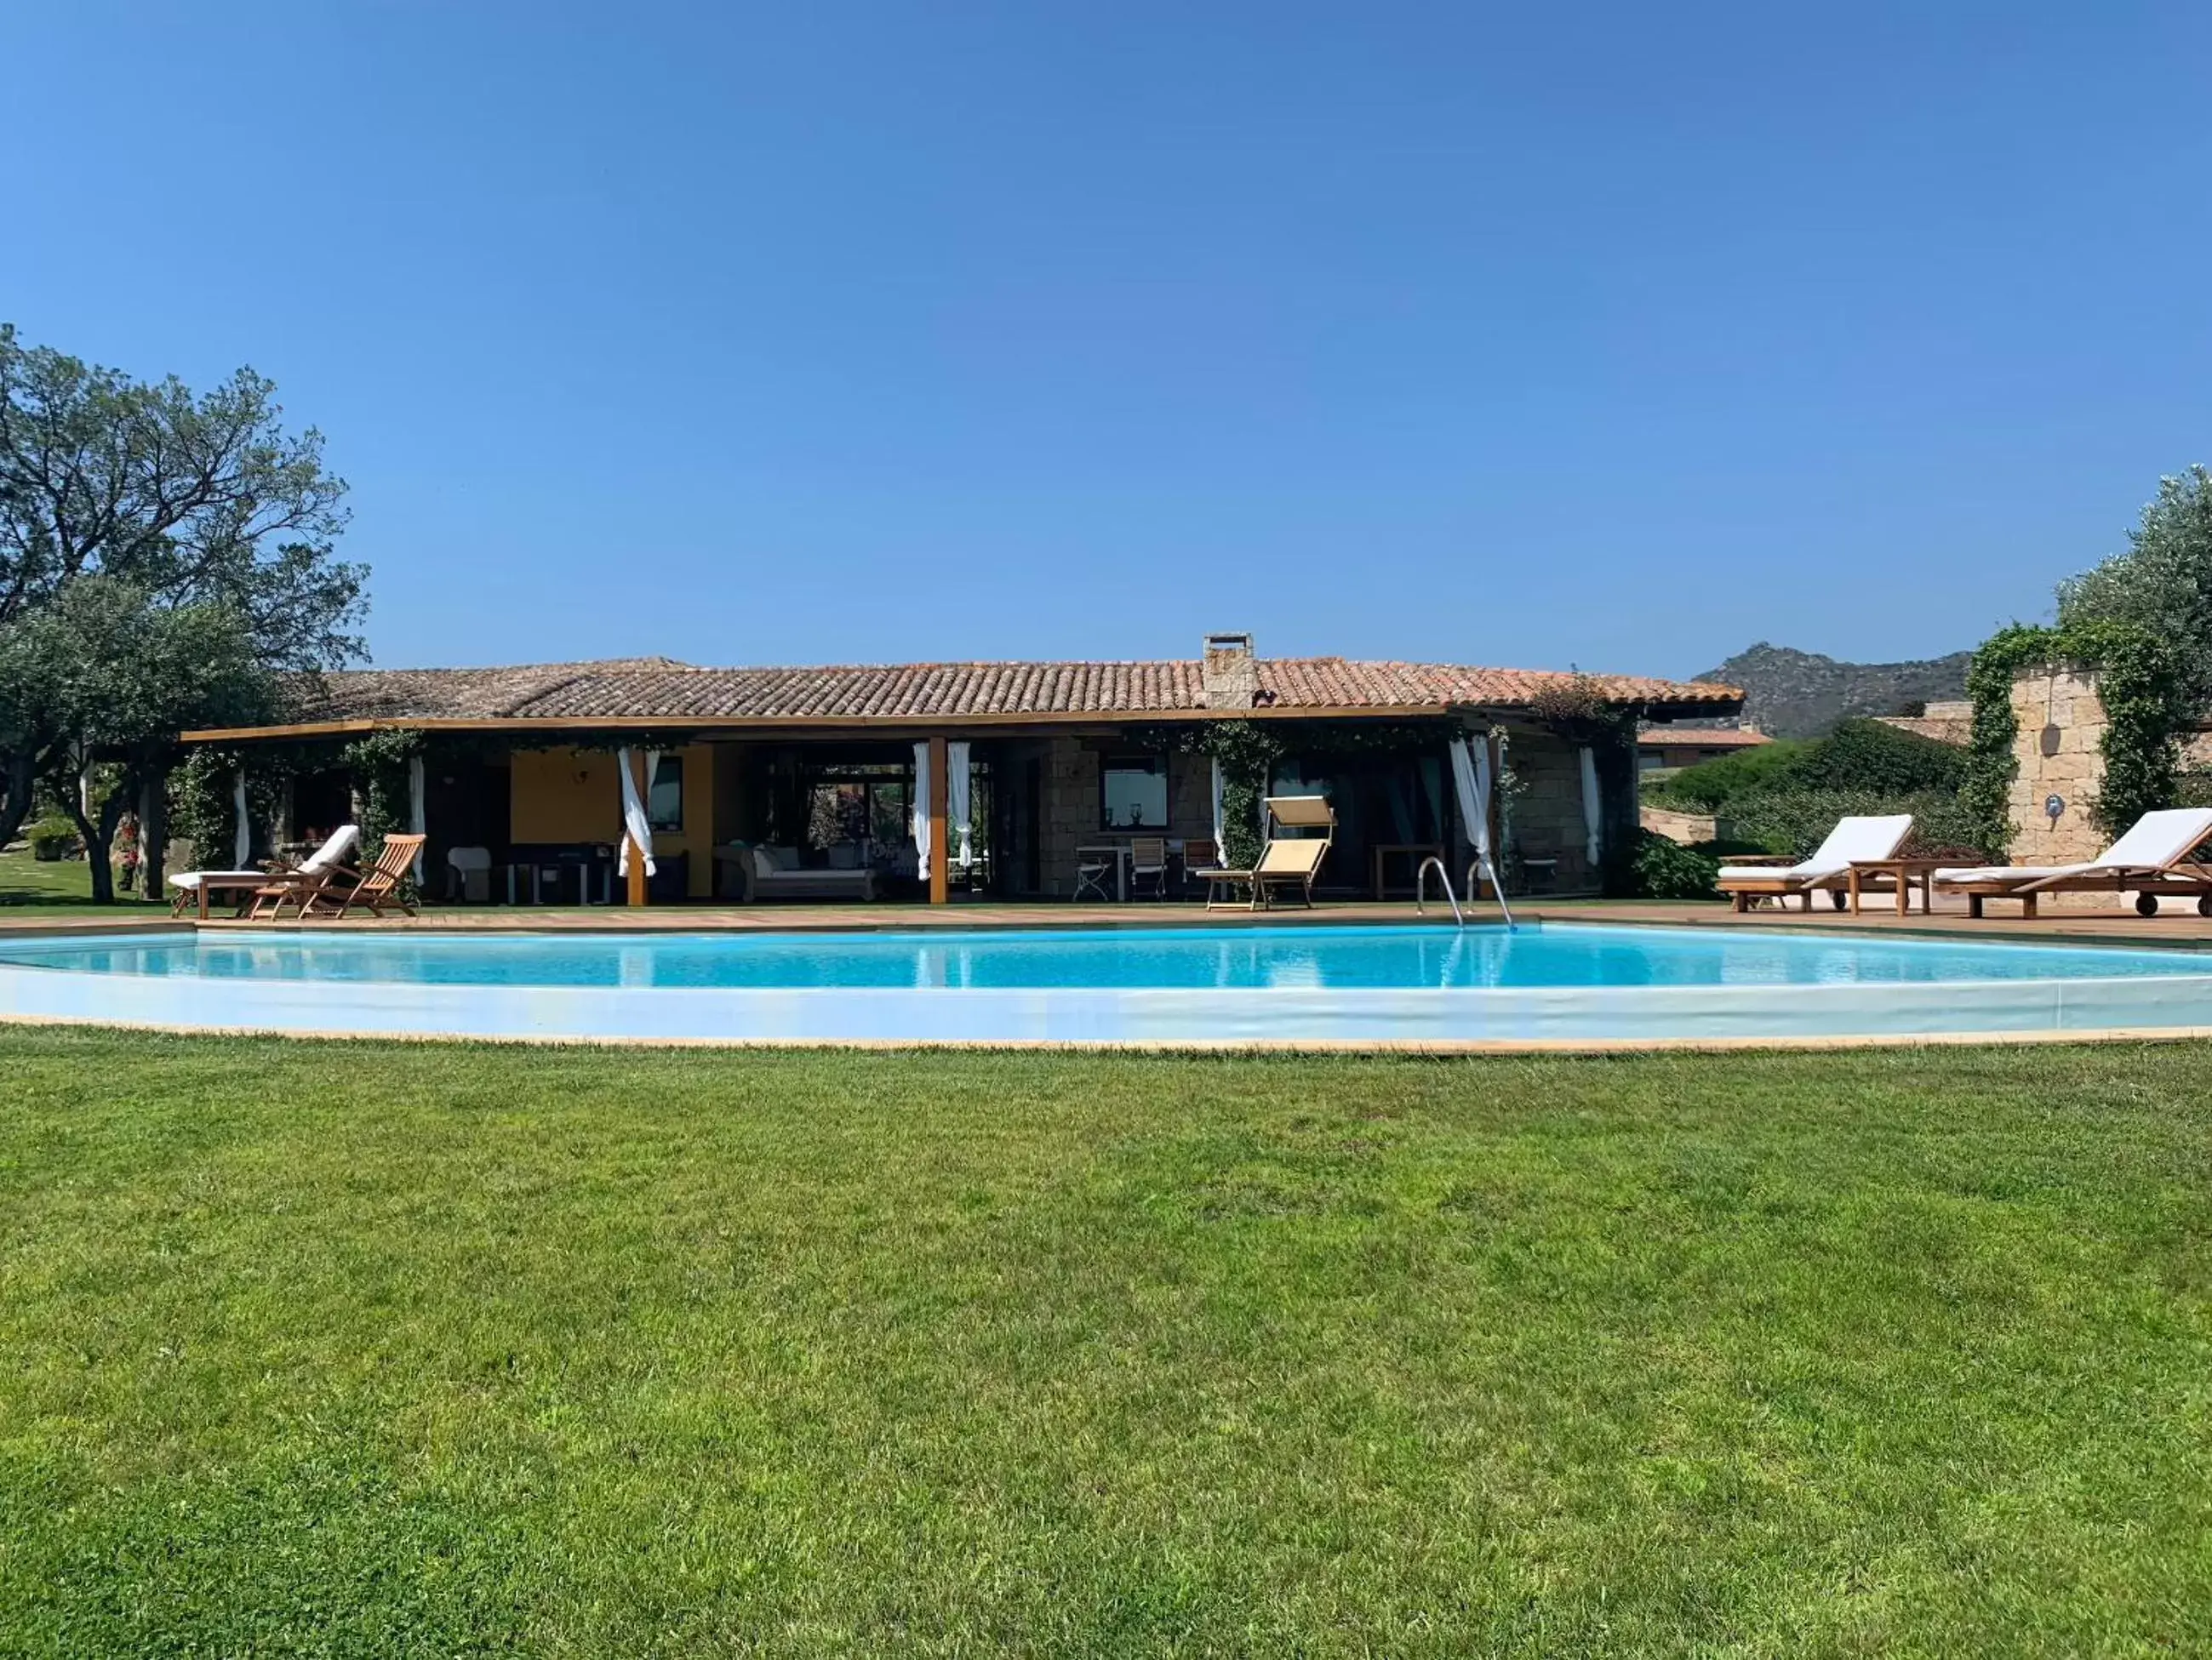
(774, 873)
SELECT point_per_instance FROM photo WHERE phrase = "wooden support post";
(637, 853)
(940, 856)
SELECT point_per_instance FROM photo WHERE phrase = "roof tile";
(652, 688)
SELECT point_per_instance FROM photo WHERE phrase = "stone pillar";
(2059, 750)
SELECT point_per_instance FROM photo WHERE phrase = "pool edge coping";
(1335, 1046)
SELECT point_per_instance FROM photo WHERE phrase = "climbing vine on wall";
(2145, 710)
(202, 806)
(378, 765)
(1577, 708)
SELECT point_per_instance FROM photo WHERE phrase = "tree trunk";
(99, 834)
(16, 774)
(96, 849)
(153, 831)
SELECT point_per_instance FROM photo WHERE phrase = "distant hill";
(1800, 695)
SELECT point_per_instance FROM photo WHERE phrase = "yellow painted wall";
(563, 795)
(575, 795)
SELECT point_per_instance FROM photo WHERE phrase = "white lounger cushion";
(335, 847)
(194, 878)
(2013, 872)
(1865, 838)
(2158, 840)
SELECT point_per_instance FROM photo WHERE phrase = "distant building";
(1663, 747)
(1946, 723)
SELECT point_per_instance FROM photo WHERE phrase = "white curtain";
(956, 802)
(1221, 819)
(1593, 810)
(414, 818)
(921, 808)
(242, 841)
(636, 825)
(1470, 766)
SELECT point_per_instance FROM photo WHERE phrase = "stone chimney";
(1231, 677)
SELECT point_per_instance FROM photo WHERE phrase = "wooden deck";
(2109, 927)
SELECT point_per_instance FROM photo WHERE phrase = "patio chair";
(1095, 870)
(1148, 863)
(2152, 860)
(306, 878)
(1287, 863)
(373, 888)
(1828, 870)
(468, 875)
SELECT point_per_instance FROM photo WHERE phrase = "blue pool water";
(1554, 984)
(1210, 959)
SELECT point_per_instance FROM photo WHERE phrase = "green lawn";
(382, 1350)
(50, 884)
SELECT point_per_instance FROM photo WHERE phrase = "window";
(857, 803)
(664, 799)
(1134, 792)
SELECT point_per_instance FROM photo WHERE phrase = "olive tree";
(163, 555)
(2163, 583)
(120, 677)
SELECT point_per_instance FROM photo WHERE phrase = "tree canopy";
(2163, 584)
(163, 556)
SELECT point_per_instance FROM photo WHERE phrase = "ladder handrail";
(1421, 887)
(1496, 887)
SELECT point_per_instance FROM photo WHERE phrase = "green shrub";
(1861, 755)
(1712, 784)
(1865, 754)
(1659, 869)
(1796, 821)
(52, 838)
(1721, 849)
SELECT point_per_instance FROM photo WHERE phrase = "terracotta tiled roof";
(655, 687)
(449, 693)
(1700, 737)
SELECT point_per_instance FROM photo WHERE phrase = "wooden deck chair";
(1287, 863)
(2152, 859)
(374, 888)
(297, 886)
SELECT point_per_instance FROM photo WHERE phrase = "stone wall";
(1547, 814)
(1070, 809)
(1685, 827)
(2059, 752)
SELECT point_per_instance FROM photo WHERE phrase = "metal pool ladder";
(1420, 891)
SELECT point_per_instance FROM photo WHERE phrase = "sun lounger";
(1829, 869)
(296, 886)
(2152, 860)
(343, 888)
(1287, 864)
(195, 888)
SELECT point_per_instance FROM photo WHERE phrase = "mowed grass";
(429, 1349)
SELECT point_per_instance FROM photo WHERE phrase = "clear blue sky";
(1617, 336)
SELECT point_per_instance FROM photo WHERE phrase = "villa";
(1042, 774)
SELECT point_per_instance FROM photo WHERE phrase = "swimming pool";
(1569, 984)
